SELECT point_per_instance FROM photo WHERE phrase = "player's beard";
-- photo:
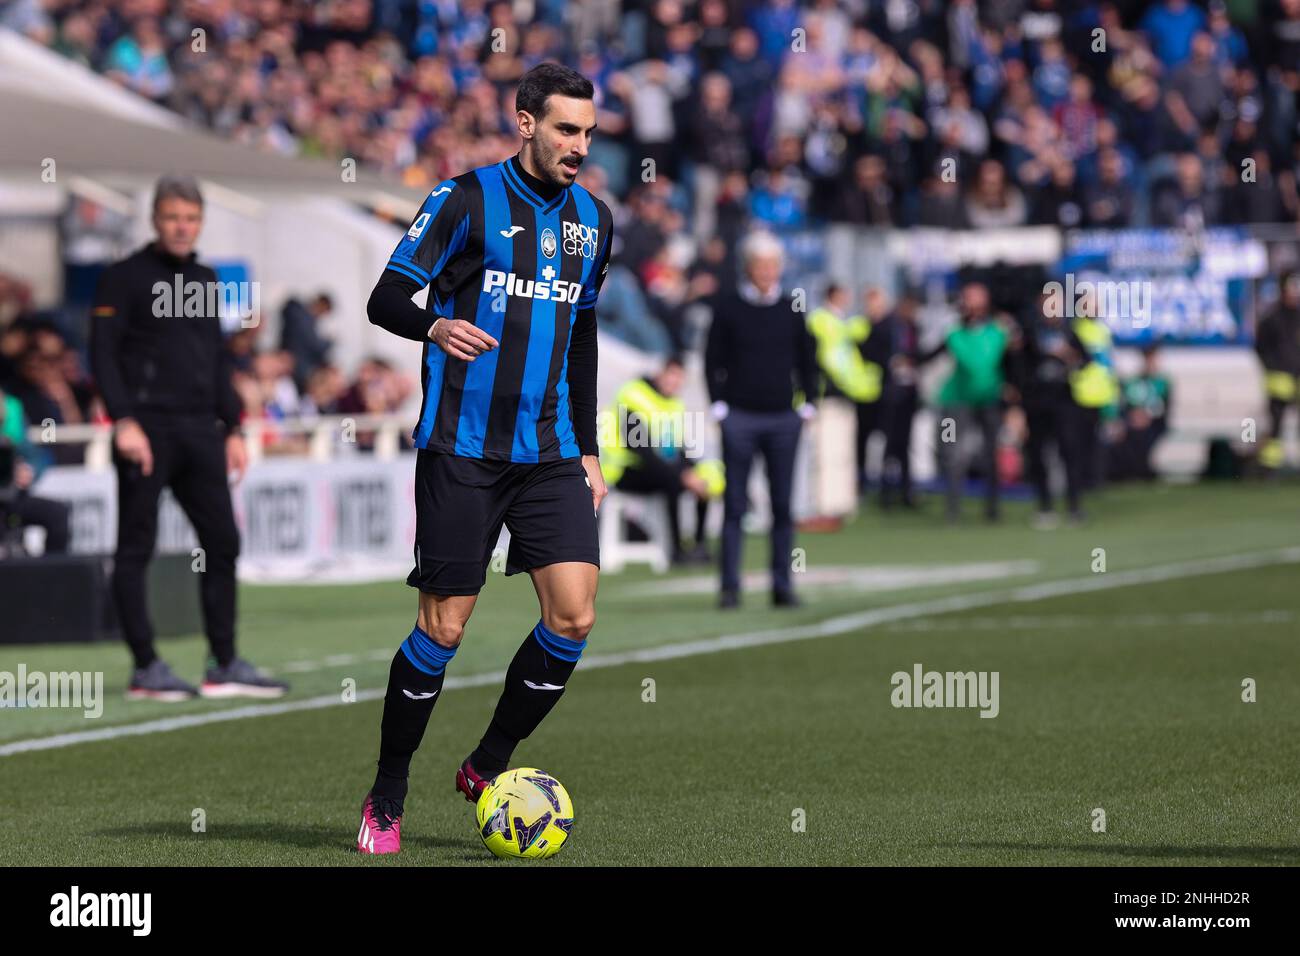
(550, 168)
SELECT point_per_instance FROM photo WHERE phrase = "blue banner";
(1157, 285)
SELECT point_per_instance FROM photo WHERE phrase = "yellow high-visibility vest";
(1280, 385)
(839, 356)
(660, 415)
(1094, 385)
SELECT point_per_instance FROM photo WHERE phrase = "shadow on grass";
(281, 834)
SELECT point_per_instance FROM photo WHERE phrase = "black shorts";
(461, 503)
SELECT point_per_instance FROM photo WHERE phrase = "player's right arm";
(108, 318)
(436, 236)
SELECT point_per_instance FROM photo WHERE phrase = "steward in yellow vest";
(1095, 390)
(1277, 343)
(644, 436)
(852, 371)
(839, 353)
(1095, 385)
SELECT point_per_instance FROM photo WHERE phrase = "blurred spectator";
(717, 138)
(994, 203)
(1170, 26)
(1197, 84)
(900, 400)
(15, 298)
(14, 339)
(970, 400)
(18, 507)
(1229, 44)
(1041, 357)
(1058, 203)
(869, 199)
(942, 205)
(1259, 198)
(139, 60)
(1108, 202)
(301, 337)
(1186, 201)
(780, 195)
(1144, 404)
(325, 387)
(1077, 118)
(378, 390)
(50, 381)
(29, 18)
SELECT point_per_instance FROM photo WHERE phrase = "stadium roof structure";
(57, 109)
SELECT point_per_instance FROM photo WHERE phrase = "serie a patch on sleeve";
(104, 310)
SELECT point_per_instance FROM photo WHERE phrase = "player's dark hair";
(177, 186)
(546, 79)
(676, 358)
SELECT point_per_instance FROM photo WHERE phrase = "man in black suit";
(758, 348)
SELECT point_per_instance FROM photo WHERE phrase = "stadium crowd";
(778, 113)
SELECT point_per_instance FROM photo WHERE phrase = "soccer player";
(514, 255)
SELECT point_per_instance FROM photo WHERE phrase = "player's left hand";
(595, 480)
(236, 457)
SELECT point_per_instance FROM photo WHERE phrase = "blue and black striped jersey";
(520, 267)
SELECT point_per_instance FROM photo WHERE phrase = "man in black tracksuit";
(900, 397)
(877, 350)
(161, 365)
(1041, 357)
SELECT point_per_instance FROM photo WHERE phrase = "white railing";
(329, 436)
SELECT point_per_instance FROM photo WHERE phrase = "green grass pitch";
(786, 750)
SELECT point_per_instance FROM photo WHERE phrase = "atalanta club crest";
(548, 243)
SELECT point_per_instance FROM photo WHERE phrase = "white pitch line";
(842, 624)
(1018, 623)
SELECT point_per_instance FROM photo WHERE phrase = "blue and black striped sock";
(414, 684)
(534, 683)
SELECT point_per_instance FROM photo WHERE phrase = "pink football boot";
(381, 826)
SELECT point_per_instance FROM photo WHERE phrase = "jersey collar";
(526, 192)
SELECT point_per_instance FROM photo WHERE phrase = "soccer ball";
(524, 813)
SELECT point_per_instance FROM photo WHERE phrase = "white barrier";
(298, 519)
